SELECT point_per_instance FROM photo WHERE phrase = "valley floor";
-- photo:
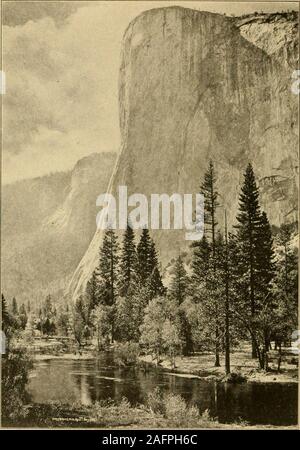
(202, 366)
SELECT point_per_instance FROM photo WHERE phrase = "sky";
(61, 61)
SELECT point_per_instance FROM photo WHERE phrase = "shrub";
(126, 354)
(155, 401)
(235, 377)
(175, 407)
(14, 377)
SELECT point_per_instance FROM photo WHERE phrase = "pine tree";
(128, 262)
(265, 255)
(179, 283)
(91, 292)
(200, 260)
(227, 302)
(148, 266)
(79, 319)
(143, 255)
(22, 318)
(14, 308)
(108, 268)
(6, 319)
(155, 280)
(210, 193)
(249, 220)
(48, 308)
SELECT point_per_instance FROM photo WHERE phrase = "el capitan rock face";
(192, 88)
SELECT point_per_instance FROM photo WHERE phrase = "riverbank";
(202, 366)
(65, 356)
(122, 415)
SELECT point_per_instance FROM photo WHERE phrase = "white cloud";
(61, 99)
(61, 93)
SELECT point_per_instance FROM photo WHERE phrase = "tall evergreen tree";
(108, 268)
(210, 193)
(143, 255)
(179, 284)
(48, 308)
(6, 319)
(200, 261)
(249, 221)
(22, 318)
(92, 291)
(227, 302)
(155, 280)
(128, 262)
(14, 307)
(265, 255)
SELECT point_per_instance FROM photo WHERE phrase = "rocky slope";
(47, 225)
(193, 88)
(276, 34)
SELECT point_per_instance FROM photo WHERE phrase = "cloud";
(61, 90)
(62, 69)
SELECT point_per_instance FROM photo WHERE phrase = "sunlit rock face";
(192, 88)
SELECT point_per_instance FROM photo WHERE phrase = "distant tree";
(128, 262)
(210, 193)
(143, 254)
(79, 319)
(14, 307)
(185, 331)
(171, 341)
(107, 270)
(151, 329)
(179, 284)
(22, 317)
(101, 319)
(124, 320)
(155, 280)
(48, 307)
(8, 321)
(62, 321)
(201, 258)
(92, 296)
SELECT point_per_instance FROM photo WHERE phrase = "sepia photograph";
(149, 215)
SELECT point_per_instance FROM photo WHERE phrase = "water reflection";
(88, 381)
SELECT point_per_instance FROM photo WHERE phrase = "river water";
(89, 380)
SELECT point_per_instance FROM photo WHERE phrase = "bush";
(171, 406)
(14, 377)
(155, 401)
(235, 377)
(126, 354)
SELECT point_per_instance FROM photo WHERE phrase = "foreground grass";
(170, 411)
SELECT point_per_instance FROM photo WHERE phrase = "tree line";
(236, 287)
(231, 286)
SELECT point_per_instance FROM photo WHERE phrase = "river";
(86, 381)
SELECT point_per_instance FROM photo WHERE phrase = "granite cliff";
(196, 86)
